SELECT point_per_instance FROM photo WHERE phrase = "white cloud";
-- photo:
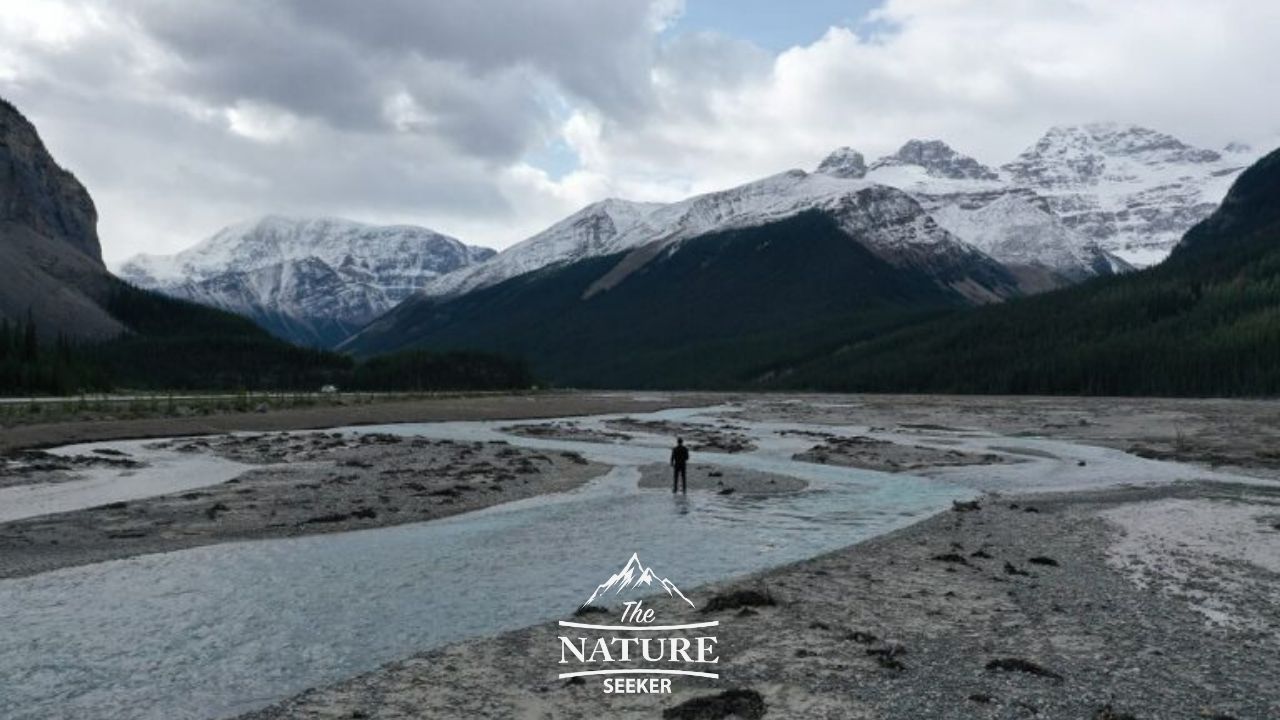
(182, 117)
(989, 76)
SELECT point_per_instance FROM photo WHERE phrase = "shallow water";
(165, 471)
(214, 631)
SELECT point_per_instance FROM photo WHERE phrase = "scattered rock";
(951, 558)
(726, 491)
(968, 506)
(889, 663)
(1009, 569)
(741, 703)
(1106, 713)
(1023, 666)
(981, 698)
(330, 518)
(1042, 560)
(738, 599)
(590, 610)
(859, 636)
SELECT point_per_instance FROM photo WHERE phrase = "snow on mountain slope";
(1132, 190)
(889, 222)
(1085, 200)
(1078, 204)
(590, 232)
(1018, 229)
(329, 273)
(937, 160)
(1013, 225)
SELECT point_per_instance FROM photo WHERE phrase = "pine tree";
(30, 341)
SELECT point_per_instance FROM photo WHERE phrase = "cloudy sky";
(490, 119)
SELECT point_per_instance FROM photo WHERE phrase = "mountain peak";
(938, 160)
(39, 194)
(844, 162)
(635, 574)
(1113, 139)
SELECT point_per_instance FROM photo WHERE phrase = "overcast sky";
(490, 119)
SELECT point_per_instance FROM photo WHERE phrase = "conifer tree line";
(178, 345)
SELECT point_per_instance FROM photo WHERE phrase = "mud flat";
(1238, 435)
(887, 456)
(1023, 607)
(564, 430)
(700, 438)
(303, 484)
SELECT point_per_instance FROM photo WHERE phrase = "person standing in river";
(679, 463)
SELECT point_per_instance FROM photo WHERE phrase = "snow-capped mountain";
(636, 576)
(311, 281)
(1018, 228)
(936, 159)
(1084, 200)
(1014, 225)
(590, 232)
(1072, 207)
(1132, 190)
(886, 221)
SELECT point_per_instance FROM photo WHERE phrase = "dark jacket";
(679, 455)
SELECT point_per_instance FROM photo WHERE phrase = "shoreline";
(912, 623)
(526, 406)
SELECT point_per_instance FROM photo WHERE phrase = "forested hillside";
(1204, 322)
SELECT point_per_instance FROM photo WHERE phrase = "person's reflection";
(681, 503)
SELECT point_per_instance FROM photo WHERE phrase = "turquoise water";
(215, 631)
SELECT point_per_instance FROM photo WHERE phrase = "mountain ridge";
(310, 280)
(1204, 322)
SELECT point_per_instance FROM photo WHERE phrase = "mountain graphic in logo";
(635, 575)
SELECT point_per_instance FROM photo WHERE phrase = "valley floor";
(1121, 614)
(1147, 594)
